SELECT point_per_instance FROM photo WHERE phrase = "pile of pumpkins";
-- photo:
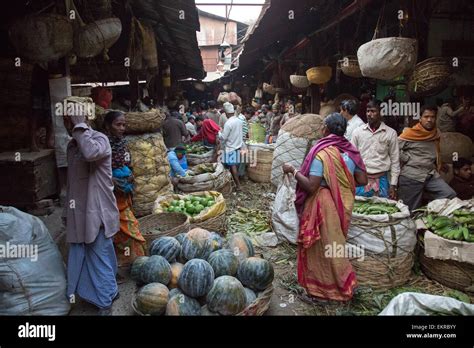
(199, 273)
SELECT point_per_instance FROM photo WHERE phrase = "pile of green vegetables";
(249, 221)
(191, 205)
(370, 208)
(458, 227)
(195, 149)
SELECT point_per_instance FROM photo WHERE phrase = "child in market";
(463, 181)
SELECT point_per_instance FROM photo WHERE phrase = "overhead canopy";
(175, 23)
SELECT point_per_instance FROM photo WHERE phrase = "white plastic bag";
(412, 303)
(284, 216)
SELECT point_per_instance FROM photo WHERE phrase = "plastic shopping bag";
(284, 216)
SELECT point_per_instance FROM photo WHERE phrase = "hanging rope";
(227, 15)
(379, 20)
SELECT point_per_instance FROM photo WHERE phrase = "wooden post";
(134, 88)
(160, 92)
(315, 99)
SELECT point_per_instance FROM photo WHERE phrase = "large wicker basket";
(256, 308)
(454, 274)
(262, 171)
(215, 224)
(144, 122)
(350, 66)
(299, 81)
(170, 224)
(383, 271)
(430, 77)
(319, 75)
(260, 305)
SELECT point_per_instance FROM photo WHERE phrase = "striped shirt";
(245, 126)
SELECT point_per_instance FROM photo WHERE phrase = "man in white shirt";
(378, 146)
(232, 142)
(349, 109)
(191, 125)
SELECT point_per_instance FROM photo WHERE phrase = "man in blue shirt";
(178, 162)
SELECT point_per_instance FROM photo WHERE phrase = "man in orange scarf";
(421, 162)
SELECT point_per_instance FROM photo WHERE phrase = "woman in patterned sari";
(129, 242)
(324, 199)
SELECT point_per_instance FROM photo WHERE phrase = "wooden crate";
(27, 177)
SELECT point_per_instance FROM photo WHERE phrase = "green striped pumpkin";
(182, 305)
(250, 296)
(168, 247)
(255, 273)
(241, 246)
(227, 296)
(197, 244)
(135, 271)
(224, 262)
(152, 299)
(217, 241)
(156, 270)
(196, 278)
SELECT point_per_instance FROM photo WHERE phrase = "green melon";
(224, 262)
(156, 270)
(255, 273)
(152, 299)
(227, 296)
(182, 305)
(196, 278)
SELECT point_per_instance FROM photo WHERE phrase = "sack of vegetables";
(206, 177)
(206, 209)
(197, 153)
(382, 226)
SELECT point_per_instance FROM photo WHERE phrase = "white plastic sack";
(33, 280)
(387, 58)
(384, 234)
(194, 159)
(412, 303)
(446, 206)
(289, 149)
(284, 216)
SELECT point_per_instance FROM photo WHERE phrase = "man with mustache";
(378, 146)
(421, 161)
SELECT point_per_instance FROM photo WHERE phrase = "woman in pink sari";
(325, 194)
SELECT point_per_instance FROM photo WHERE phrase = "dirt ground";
(286, 299)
